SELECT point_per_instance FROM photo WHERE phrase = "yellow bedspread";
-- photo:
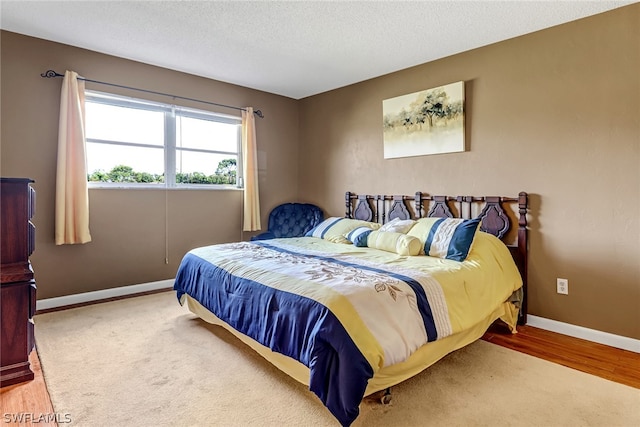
(472, 288)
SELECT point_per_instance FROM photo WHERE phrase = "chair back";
(294, 219)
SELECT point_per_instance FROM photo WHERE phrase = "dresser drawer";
(31, 239)
(31, 209)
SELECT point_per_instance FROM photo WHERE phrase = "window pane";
(127, 142)
(206, 134)
(141, 164)
(205, 168)
(113, 123)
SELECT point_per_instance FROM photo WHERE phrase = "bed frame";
(494, 211)
(497, 215)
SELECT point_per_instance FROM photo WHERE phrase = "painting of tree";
(426, 122)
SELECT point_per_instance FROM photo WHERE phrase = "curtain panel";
(250, 171)
(72, 195)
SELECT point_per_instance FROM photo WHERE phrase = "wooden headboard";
(497, 214)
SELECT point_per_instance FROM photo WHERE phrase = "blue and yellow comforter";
(344, 312)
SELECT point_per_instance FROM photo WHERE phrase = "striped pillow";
(334, 229)
(358, 236)
(449, 238)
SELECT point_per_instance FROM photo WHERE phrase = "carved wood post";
(347, 203)
(523, 203)
(418, 204)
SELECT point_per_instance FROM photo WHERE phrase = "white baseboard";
(49, 303)
(605, 338)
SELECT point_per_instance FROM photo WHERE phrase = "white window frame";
(171, 115)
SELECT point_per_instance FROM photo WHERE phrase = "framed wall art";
(426, 122)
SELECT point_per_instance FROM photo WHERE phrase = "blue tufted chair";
(291, 220)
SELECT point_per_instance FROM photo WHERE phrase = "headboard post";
(523, 248)
(418, 204)
(347, 204)
(381, 214)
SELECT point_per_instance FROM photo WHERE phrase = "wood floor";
(622, 366)
(614, 364)
(27, 401)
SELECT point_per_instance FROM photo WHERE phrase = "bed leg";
(386, 397)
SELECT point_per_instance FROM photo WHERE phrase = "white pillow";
(398, 225)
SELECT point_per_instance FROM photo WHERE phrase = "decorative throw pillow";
(449, 238)
(421, 230)
(334, 228)
(358, 236)
(399, 243)
(398, 225)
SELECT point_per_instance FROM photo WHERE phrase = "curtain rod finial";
(50, 73)
(259, 114)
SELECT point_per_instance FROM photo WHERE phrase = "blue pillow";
(358, 236)
(451, 238)
(335, 229)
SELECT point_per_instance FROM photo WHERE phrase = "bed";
(368, 300)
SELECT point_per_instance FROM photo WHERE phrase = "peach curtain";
(250, 172)
(72, 196)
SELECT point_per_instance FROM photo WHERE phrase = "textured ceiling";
(290, 48)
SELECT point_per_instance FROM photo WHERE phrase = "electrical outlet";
(562, 286)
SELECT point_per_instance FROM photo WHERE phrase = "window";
(131, 142)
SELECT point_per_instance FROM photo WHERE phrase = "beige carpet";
(147, 361)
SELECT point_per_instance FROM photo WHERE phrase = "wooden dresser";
(17, 287)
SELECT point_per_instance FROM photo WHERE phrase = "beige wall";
(556, 114)
(128, 227)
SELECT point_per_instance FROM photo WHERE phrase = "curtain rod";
(51, 73)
